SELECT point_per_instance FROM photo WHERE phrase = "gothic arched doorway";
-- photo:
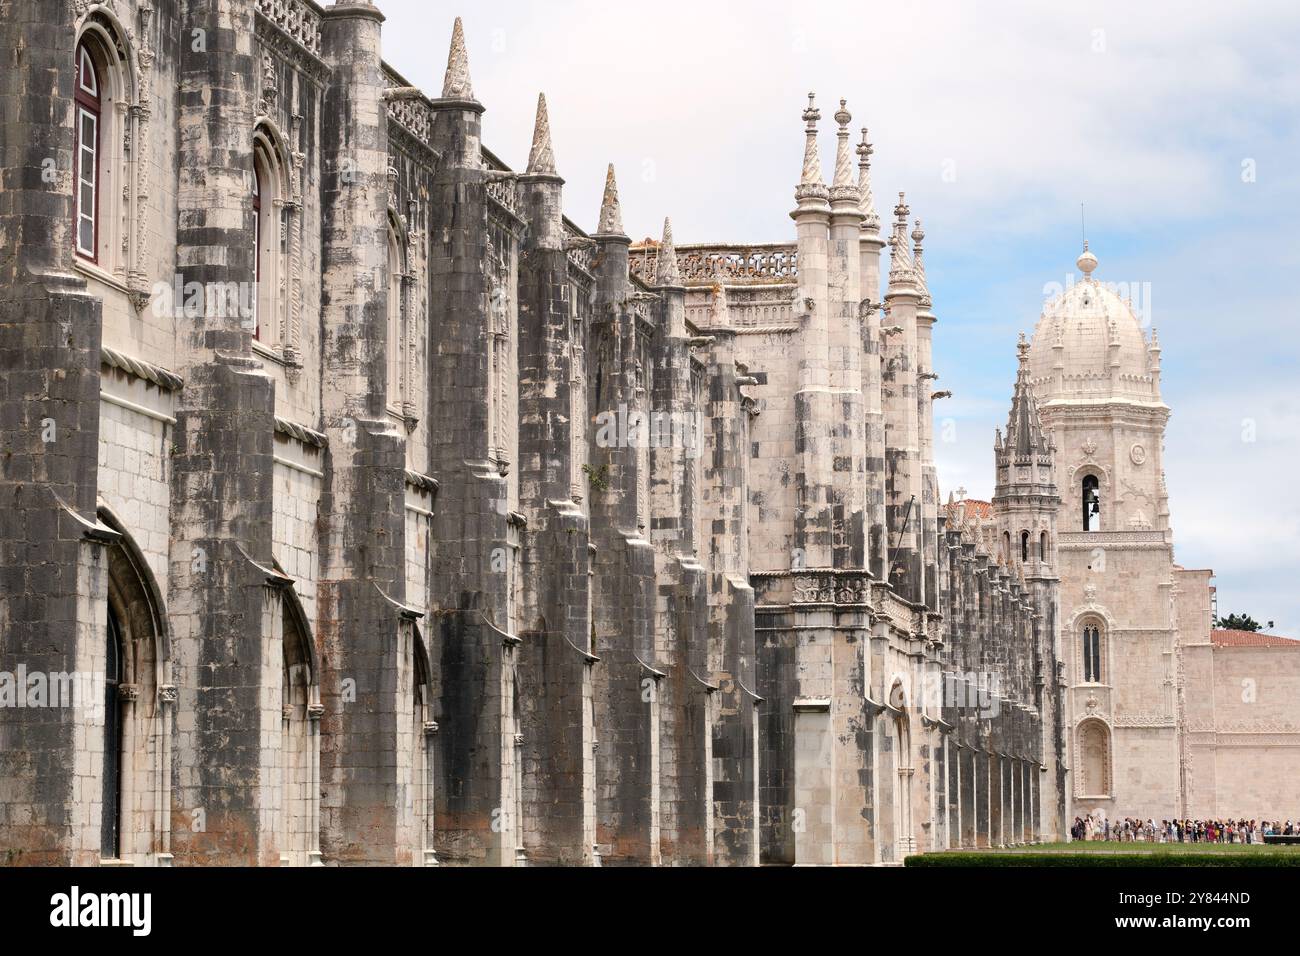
(136, 763)
(901, 740)
(110, 827)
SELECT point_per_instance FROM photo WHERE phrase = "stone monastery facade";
(368, 510)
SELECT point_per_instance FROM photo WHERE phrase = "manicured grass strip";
(1102, 846)
(1023, 858)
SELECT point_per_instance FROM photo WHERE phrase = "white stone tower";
(1096, 377)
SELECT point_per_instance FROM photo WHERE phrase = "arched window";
(1093, 671)
(396, 318)
(1024, 546)
(1006, 546)
(1091, 503)
(257, 243)
(111, 783)
(1042, 547)
(88, 122)
(265, 309)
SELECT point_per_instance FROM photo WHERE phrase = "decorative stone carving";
(270, 84)
(770, 263)
(828, 589)
(1138, 455)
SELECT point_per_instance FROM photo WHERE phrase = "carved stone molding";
(830, 589)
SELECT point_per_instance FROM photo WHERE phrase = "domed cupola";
(1089, 346)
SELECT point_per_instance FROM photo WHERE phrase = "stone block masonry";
(439, 530)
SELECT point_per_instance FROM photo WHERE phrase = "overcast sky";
(1178, 127)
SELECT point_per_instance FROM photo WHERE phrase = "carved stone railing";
(505, 192)
(297, 18)
(408, 108)
(579, 248)
(760, 263)
(897, 611)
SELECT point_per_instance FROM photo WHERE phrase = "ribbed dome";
(1072, 352)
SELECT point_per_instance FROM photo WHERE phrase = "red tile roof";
(1251, 639)
(973, 507)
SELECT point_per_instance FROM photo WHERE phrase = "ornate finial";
(611, 216)
(1087, 262)
(901, 212)
(456, 85)
(666, 271)
(541, 158)
(812, 114)
(1022, 349)
(811, 183)
(843, 190)
(865, 151)
(918, 236)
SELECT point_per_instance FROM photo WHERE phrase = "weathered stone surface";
(402, 522)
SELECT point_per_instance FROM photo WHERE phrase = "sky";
(1176, 127)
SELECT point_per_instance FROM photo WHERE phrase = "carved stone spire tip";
(611, 214)
(666, 270)
(541, 158)
(456, 85)
(866, 201)
(811, 183)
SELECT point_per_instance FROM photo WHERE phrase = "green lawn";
(1099, 846)
(1102, 854)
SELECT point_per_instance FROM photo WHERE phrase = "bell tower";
(1095, 375)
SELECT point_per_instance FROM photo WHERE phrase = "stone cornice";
(300, 432)
(132, 366)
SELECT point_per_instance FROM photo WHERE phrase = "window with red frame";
(87, 97)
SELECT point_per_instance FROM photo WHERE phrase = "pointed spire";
(1025, 436)
(866, 201)
(918, 236)
(666, 271)
(541, 158)
(456, 85)
(842, 189)
(900, 255)
(811, 183)
(611, 216)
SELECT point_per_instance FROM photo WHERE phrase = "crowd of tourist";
(1128, 830)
